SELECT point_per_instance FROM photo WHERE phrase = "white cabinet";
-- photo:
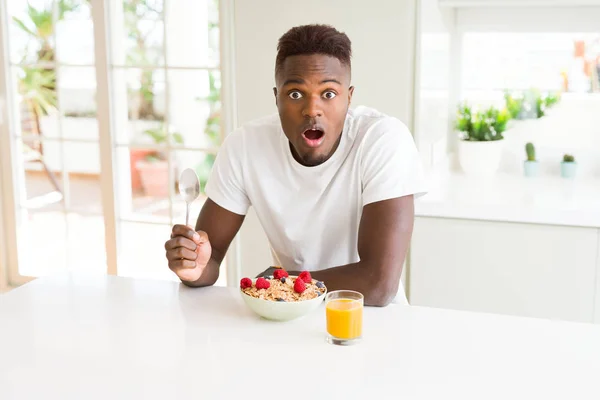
(508, 268)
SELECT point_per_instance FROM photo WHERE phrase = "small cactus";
(568, 158)
(530, 150)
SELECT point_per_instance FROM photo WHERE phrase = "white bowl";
(281, 310)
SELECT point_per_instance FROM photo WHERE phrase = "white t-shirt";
(311, 215)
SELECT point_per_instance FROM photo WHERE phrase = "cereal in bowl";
(286, 288)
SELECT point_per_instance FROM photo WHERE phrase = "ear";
(275, 93)
(350, 92)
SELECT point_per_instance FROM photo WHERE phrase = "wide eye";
(329, 95)
(295, 95)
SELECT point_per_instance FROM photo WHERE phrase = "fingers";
(188, 232)
(181, 253)
(183, 230)
(181, 264)
(180, 241)
(181, 249)
(202, 237)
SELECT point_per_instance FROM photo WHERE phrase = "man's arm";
(221, 226)
(383, 239)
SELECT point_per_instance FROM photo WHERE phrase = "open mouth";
(313, 137)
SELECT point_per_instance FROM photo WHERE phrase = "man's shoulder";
(371, 125)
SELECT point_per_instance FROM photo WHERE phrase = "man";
(332, 187)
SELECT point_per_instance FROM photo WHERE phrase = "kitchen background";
(104, 102)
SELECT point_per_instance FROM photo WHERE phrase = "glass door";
(165, 70)
(49, 71)
(105, 104)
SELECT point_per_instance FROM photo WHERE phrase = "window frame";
(9, 159)
(499, 16)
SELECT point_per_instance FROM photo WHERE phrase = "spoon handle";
(187, 214)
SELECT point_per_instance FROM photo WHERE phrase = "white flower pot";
(568, 169)
(480, 158)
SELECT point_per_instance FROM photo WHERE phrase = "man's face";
(313, 96)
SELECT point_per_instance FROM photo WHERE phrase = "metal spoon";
(189, 189)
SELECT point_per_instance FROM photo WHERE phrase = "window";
(165, 115)
(549, 82)
(496, 62)
(541, 63)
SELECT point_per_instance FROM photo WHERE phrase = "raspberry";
(262, 283)
(299, 286)
(245, 283)
(305, 276)
(280, 273)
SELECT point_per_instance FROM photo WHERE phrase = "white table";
(83, 337)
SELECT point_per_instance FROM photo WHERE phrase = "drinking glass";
(344, 312)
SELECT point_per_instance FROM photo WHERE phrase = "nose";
(312, 107)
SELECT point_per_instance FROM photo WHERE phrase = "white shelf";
(510, 198)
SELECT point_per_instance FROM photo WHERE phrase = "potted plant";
(515, 104)
(530, 165)
(551, 99)
(481, 140)
(530, 104)
(153, 168)
(568, 166)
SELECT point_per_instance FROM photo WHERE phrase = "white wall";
(382, 34)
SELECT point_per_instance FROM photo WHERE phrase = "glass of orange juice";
(344, 310)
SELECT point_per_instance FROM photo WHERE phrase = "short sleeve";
(390, 163)
(225, 184)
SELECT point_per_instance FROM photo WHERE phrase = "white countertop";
(75, 337)
(512, 198)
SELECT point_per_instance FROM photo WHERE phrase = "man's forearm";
(384, 236)
(378, 289)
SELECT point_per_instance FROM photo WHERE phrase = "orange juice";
(344, 318)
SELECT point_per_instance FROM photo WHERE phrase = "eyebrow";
(301, 81)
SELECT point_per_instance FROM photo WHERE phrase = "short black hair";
(313, 39)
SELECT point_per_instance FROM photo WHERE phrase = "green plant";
(544, 101)
(160, 136)
(529, 103)
(568, 158)
(499, 120)
(530, 150)
(481, 126)
(37, 88)
(137, 15)
(540, 105)
(37, 85)
(514, 104)
(39, 26)
(550, 99)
